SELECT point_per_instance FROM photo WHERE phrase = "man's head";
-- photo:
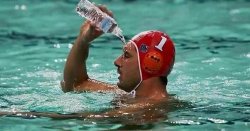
(148, 54)
(128, 68)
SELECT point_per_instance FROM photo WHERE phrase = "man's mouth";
(119, 72)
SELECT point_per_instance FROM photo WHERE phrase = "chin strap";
(133, 92)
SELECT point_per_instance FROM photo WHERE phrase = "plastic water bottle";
(102, 20)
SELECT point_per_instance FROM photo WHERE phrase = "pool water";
(211, 71)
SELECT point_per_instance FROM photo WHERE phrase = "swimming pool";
(212, 62)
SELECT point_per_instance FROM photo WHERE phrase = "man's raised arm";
(75, 71)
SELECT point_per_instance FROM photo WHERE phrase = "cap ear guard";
(152, 62)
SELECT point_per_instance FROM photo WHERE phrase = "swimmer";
(143, 68)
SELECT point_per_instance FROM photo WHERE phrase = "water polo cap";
(156, 54)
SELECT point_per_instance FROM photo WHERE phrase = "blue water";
(211, 71)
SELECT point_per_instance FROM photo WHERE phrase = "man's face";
(128, 68)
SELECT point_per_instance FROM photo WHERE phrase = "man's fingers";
(91, 26)
(104, 9)
(110, 13)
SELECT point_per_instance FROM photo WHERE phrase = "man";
(143, 67)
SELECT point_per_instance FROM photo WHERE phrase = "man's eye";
(126, 55)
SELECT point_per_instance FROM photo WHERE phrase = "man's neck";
(151, 88)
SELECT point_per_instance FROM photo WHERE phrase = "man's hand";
(89, 31)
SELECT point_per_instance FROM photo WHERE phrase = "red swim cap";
(156, 53)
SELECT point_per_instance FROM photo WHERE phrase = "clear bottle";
(103, 21)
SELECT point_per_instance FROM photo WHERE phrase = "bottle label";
(105, 24)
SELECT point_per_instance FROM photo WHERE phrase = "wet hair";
(164, 80)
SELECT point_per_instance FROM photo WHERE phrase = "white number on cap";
(162, 43)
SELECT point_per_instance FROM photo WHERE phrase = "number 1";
(162, 43)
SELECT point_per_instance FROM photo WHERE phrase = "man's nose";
(117, 62)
